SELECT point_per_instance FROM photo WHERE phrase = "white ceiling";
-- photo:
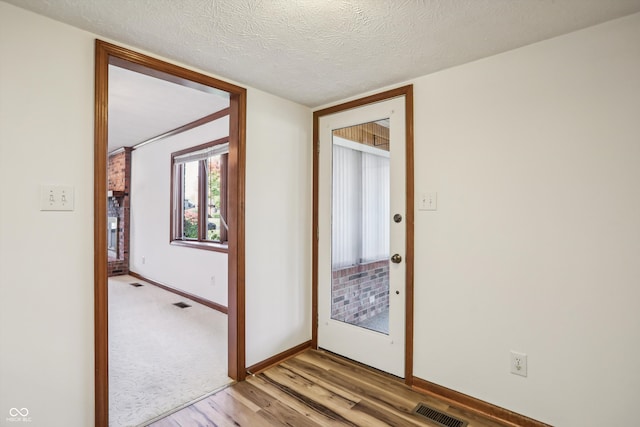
(143, 107)
(318, 51)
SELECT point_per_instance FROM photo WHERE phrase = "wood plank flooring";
(315, 389)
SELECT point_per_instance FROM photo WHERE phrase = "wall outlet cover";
(518, 363)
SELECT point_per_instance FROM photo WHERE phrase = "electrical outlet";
(518, 363)
(213, 280)
(144, 260)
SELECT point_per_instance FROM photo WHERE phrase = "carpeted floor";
(160, 356)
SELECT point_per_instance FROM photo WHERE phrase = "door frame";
(407, 93)
(104, 53)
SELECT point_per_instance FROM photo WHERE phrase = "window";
(199, 195)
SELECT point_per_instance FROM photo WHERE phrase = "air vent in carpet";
(137, 285)
(181, 305)
(438, 417)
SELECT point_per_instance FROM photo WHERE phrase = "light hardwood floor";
(315, 389)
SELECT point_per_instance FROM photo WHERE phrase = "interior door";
(362, 234)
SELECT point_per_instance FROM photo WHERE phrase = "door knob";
(397, 217)
(396, 259)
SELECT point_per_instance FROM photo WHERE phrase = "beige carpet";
(160, 356)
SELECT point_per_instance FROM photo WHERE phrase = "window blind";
(203, 154)
(360, 205)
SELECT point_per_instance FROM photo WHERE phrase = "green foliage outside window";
(190, 229)
(213, 214)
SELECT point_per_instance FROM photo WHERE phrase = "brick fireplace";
(118, 202)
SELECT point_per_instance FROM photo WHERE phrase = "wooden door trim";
(104, 54)
(407, 93)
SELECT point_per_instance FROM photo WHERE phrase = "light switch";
(428, 201)
(56, 198)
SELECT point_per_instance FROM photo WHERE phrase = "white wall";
(535, 246)
(180, 267)
(278, 225)
(46, 259)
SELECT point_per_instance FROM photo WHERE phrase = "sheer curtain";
(360, 222)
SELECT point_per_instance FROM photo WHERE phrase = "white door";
(362, 234)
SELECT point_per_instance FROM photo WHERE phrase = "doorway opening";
(363, 212)
(109, 235)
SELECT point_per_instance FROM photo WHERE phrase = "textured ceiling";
(318, 51)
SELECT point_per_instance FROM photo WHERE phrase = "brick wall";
(118, 166)
(352, 288)
(119, 179)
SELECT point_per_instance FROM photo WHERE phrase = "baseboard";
(495, 413)
(199, 300)
(278, 358)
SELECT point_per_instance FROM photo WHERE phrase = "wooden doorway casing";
(407, 93)
(104, 54)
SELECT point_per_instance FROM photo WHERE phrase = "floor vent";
(137, 285)
(181, 305)
(438, 417)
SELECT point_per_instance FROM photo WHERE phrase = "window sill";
(207, 246)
